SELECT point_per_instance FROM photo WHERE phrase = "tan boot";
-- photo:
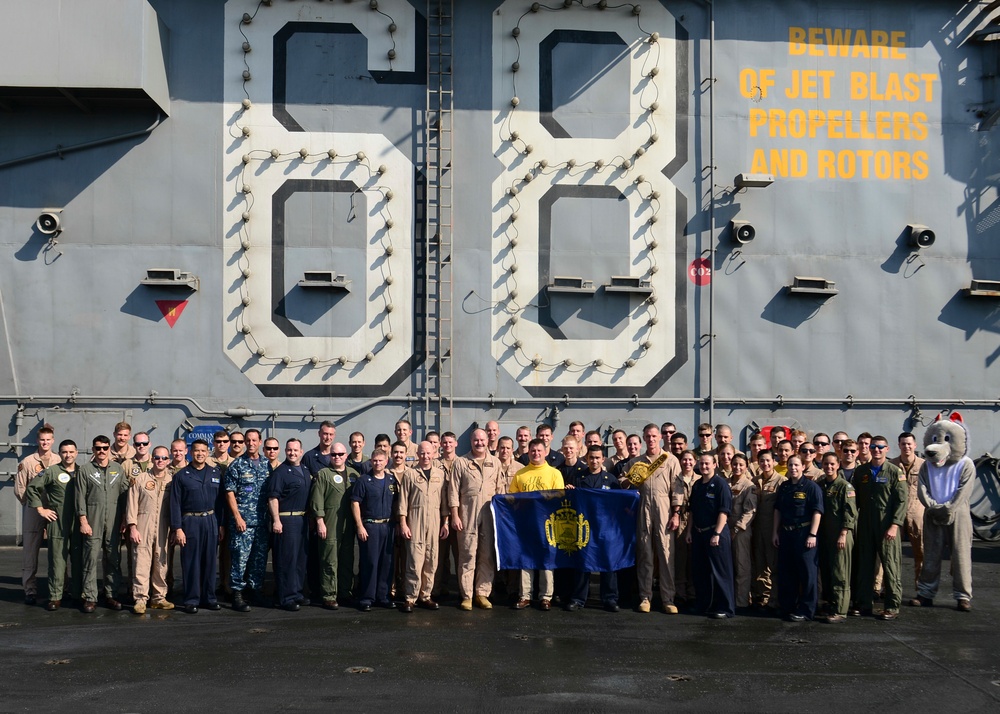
(482, 602)
(140, 607)
(644, 605)
(466, 605)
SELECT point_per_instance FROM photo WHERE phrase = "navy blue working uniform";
(566, 580)
(377, 500)
(601, 481)
(711, 566)
(555, 459)
(797, 565)
(315, 461)
(290, 486)
(196, 508)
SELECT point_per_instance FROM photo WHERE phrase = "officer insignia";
(63, 478)
(135, 470)
(798, 495)
(337, 478)
(567, 530)
(150, 485)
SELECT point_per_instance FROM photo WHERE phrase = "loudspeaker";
(920, 236)
(743, 232)
(48, 222)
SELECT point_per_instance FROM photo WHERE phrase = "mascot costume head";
(946, 441)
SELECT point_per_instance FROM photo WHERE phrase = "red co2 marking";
(700, 271)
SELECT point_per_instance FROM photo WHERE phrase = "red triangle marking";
(171, 310)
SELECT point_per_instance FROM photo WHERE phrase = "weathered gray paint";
(80, 322)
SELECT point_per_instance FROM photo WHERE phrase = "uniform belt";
(706, 528)
(291, 513)
(376, 520)
(795, 527)
(199, 513)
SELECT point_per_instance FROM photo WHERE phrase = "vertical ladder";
(439, 215)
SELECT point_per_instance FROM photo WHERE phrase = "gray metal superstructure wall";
(870, 117)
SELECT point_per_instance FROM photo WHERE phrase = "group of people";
(801, 527)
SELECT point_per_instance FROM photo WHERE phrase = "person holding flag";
(536, 476)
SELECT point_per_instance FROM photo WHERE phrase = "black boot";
(239, 604)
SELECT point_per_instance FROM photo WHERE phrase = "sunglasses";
(339, 454)
(161, 458)
(839, 441)
(271, 448)
(102, 448)
(668, 433)
(238, 441)
(850, 451)
(879, 447)
(141, 443)
(222, 441)
(821, 443)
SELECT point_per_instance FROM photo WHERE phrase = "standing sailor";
(100, 506)
(195, 517)
(287, 500)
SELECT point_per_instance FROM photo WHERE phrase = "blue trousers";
(375, 574)
(289, 556)
(581, 587)
(797, 567)
(712, 572)
(198, 559)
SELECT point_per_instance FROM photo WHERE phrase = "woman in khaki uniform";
(740, 521)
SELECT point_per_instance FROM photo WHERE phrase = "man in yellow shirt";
(536, 476)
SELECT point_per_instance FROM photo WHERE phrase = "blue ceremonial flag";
(587, 529)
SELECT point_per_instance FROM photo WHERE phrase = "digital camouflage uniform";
(247, 480)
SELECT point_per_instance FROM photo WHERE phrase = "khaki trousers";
(149, 579)
(33, 528)
(742, 565)
(476, 559)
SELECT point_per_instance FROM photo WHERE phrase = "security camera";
(743, 232)
(48, 222)
(920, 236)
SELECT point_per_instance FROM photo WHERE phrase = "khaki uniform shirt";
(148, 505)
(914, 508)
(30, 467)
(744, 503)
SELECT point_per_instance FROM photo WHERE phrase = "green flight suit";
(881, 504)
(55, 489)
(840, 513)
(330, 500)
(101, 495)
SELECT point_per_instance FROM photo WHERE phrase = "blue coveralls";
(246, 479)
(377, 500)
(797, 565)
(602, 481)
(290, 486)
(711, 566)
(196, 507)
